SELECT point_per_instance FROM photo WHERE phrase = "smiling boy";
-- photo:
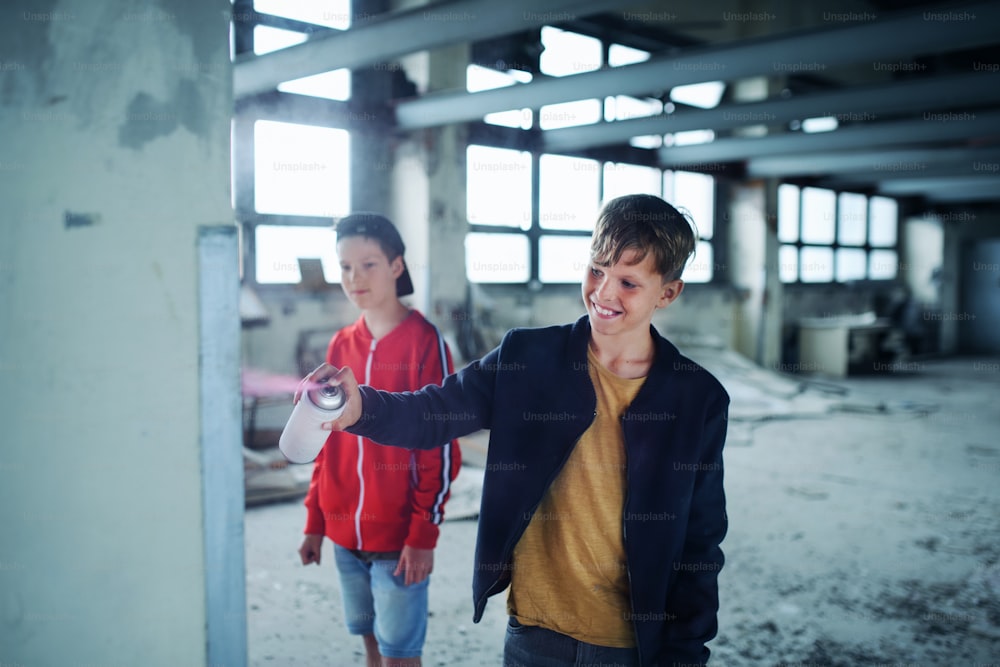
(603, 506)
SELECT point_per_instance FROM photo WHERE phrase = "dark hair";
(380, 229)
(644, 224)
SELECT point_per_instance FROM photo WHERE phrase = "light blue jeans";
(376, 602)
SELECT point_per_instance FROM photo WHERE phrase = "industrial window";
(828, 236)
(280, 247)
(291, 178)
(694, 194)
(498, 186)
(510, 224)
(565, 54)
(568, 192)
(498, 196)
(497, 258)
(334, 85)
(301, 169)
(624, 179)
(547, 232)
(624, 107)
(328, 13)
(479, 78)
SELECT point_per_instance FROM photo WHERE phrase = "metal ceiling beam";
(917, 186)
(390, 36)
(860, 104)
(804, 51)
(964, 195)
(868, 164)
(871, 180)
(924, 130)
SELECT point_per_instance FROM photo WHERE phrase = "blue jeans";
(532, 646)
(378, 603)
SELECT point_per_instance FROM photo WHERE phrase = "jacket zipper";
(628, 570)
(361, 456)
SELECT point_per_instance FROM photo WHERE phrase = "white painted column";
(115, 152)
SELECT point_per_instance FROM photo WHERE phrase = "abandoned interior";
(171, 172)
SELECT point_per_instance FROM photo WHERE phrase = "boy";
(603, 505)
(381, 506)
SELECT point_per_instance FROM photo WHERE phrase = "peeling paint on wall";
(26, 51)
(147, 118)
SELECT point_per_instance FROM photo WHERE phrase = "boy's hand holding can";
(344, 378)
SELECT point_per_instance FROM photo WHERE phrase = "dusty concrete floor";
(864, 530)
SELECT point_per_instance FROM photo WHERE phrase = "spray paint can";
(303, 437)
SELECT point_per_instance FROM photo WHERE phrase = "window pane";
(822, 124)
(851, 264)
(817, 215)
(498, 186)
(706, 95)
(567, 192)
(569, 114)
(619, 54)
(882, 221)
(689, 138)
(496, 258)
(788, 263)
(479, 78)
(624, 107)
(882, 264)
(626, 179)
(696, 193)
(329, 13)
(335, 85)
(277, 249)
(816, 265)
(852, 219)
(267, 39)
(483, 78)
(568, 52)
(699, 269)
(563, 259)
(788, 213)
(646, 141)
(301, 169)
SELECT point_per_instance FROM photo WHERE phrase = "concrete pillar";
(747, 230)
(115, 156)
(753, 249)
(428, 193)
(772, 321)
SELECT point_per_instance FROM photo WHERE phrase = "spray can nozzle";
(303, 436)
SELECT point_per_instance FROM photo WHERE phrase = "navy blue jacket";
(534, 394)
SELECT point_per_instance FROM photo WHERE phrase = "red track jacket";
(375, 498)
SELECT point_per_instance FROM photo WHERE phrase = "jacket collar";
(663, 363)
(580, 339)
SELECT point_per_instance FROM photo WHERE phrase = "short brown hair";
(645, 224)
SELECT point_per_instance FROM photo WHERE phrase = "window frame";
(536, 232)
(835, 245)
(284, 107)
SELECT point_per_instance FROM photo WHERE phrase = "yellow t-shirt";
(569, 572)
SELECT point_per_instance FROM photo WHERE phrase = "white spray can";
(303, 437)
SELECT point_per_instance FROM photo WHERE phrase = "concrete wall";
(115, 125)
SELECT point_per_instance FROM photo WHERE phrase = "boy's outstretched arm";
(422, 419)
